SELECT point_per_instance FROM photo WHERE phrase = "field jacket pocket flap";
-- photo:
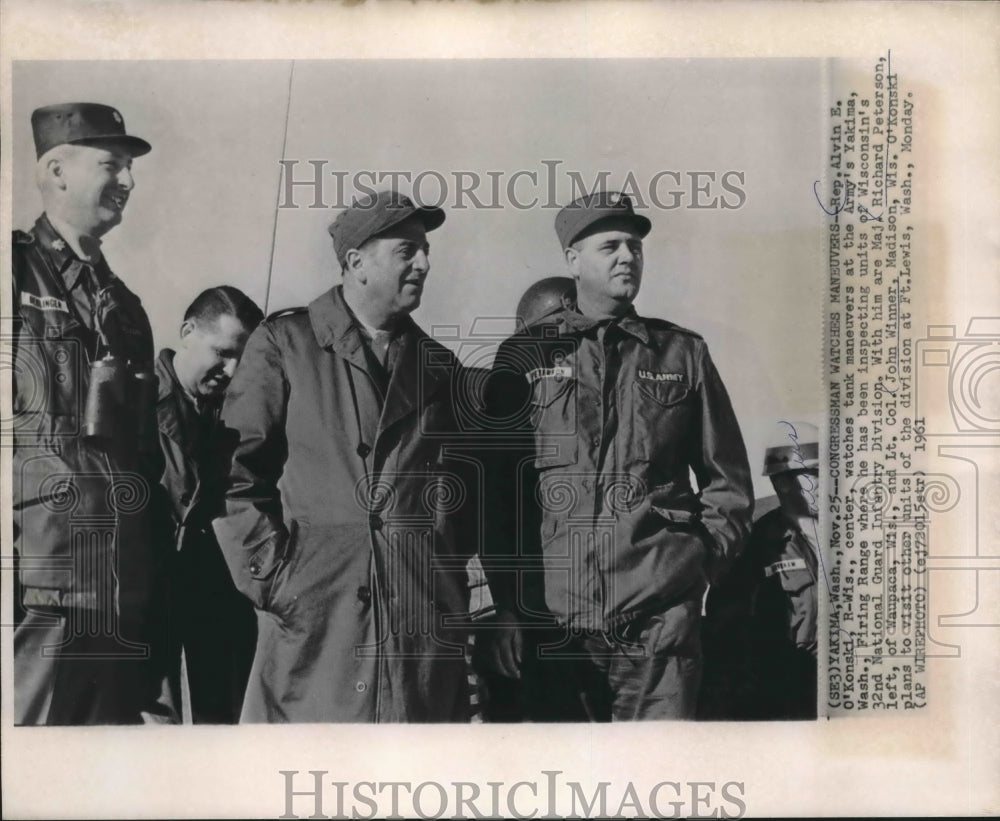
(664, 393)
(548, 389)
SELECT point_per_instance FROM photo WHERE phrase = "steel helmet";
(545, 297)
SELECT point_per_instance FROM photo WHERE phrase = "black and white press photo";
(491, 433)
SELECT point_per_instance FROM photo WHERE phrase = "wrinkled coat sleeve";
(252, 533)
(722, 469)
(504, 549)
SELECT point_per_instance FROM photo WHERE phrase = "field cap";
(82, 124)
(580, 214)
(372, 215)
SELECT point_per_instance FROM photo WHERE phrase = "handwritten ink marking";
(810, 490)
(868, 216)
(847, 186)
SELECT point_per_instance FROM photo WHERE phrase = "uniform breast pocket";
(554, 420)
(50, 369)
(662, 416)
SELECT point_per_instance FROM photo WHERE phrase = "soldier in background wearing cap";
(353, 561)
(87, 647)
(770, 598)
(618, 409)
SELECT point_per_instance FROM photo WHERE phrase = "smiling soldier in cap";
(86, 649)
(616, 410)
(339, 524)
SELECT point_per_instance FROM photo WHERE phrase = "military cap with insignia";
(582, 213)
(90, 124)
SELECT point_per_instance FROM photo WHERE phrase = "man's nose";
(229, 366)
(421, 262)
(625, 253)
(125, 179)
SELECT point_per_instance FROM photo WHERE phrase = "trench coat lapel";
(420, 370)
(176, 416)
(336, 331)
(416, 376)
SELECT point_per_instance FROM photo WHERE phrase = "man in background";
(781, 568)
(210, 621)
(87, 644)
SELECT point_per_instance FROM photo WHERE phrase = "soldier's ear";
(55, 171)
(572, 257)
(354, 263)
(186, 327)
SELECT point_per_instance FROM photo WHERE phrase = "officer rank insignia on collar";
(661, 376)
(559, 372)
(58, 245)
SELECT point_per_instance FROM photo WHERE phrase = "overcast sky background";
(751, 280)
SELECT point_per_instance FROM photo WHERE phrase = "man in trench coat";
(342, 508)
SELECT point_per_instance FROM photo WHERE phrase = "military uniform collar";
(168, 376)
(170, 388)
(576, 323)
(334, 324)
(64, 260)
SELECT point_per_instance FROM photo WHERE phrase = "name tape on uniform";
(788, 564)
(44, 303)
(661, 376)
(558, 372)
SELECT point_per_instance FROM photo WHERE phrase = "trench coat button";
(364, 594)
(363, 450)
(375, 521)
(255, 567)
(360, 686)
(185, 498)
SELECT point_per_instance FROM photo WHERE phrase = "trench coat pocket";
(263, 562)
